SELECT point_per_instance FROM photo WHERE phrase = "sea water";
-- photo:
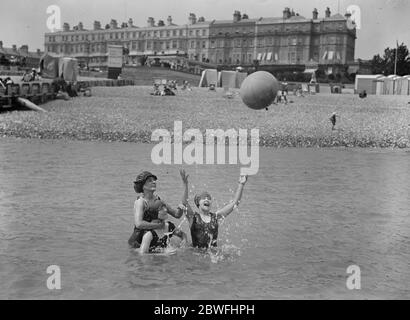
(305, 218)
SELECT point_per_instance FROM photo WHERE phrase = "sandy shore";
(131, 114)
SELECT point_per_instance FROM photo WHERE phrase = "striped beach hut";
(389, 84)
(403, 86)
(380, 90)
(367, 82)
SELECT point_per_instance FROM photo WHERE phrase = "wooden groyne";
(42, 91)
(105, 83)
(35, 91)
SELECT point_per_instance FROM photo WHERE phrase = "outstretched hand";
(243, 179)
(184, 176)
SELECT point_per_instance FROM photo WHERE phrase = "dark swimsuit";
(202, 232)
(150, 214)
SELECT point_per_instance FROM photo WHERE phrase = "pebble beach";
(131, 114)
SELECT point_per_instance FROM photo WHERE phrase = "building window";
(292, 41)
(191, 32)
(203, 44)
(213, 44)
(192, 44)
(174, 33)
(204, 32)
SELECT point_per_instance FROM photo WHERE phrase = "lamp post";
(87, 50)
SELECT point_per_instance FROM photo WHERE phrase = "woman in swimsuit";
(146, 209)
(204, 223)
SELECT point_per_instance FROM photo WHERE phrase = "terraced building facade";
(290, 41)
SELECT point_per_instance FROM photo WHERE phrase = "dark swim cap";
(203, 195)
(141, 179)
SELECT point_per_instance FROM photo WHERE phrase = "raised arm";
(225, 211)
(175, 213)
(140, 223)
(180, 210)
(185, 204)
(184, 178)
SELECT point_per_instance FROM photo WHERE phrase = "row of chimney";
(23, 49)
(97, 25)
(287, 13)
(237, 16)
(161, 23)
(150, 23)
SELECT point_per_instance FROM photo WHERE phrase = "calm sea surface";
(305, 218)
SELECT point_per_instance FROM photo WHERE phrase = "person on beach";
(26, 77)
(204, 223)
(146, 211)
(363, 94)
(333, 120)
(33, 75)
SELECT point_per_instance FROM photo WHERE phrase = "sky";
(383, 22)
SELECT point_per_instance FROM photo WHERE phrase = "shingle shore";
(131, 114)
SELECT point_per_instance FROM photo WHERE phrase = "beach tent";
(52, 67)
(380, 86)
(49, 66)
(209, 76)
(68, 69)
(367, 82)
(326, 89)
(240, 77)
(228, 79)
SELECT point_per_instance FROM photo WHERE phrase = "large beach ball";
(259, 90)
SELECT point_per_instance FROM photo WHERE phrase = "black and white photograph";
(225, 152)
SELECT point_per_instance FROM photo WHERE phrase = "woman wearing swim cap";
(146, 209)
(203, 223)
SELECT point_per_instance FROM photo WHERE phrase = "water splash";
(228, 252)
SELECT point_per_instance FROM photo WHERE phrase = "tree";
(378, 64)
(386, 64)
